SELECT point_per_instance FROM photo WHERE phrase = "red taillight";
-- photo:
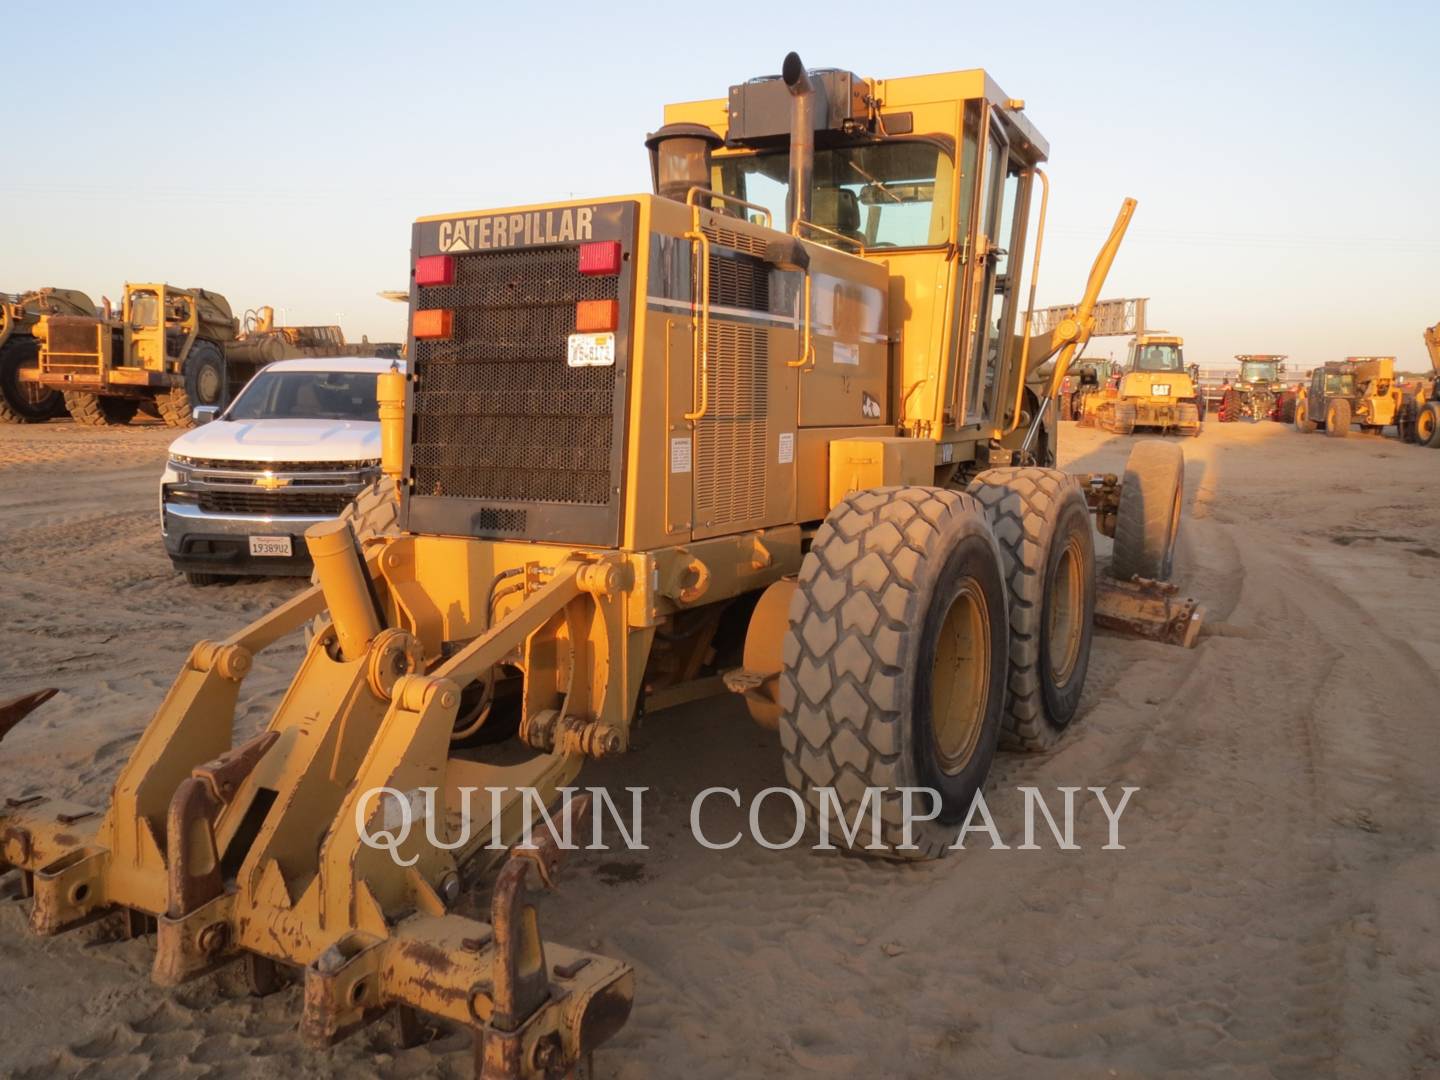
(600, 257)
(596, 316)
(433, 324)
(435, 270)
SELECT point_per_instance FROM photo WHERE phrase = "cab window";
(888, 194)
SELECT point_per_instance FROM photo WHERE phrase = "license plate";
(591, 350)
(1161, 389)
(270, 545)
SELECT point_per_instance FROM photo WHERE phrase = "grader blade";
(1148, 609)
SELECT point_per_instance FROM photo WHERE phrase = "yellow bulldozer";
(1157, 391)
(22, 399)
(776, 428)
(166, 352)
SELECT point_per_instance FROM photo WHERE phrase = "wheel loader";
(1157, 391)
(168, 351)
(775, 428)
(1357, 390)
(22, 400)
(1255, 392)
(1419, 419)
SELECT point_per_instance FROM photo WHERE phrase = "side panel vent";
(731, 441)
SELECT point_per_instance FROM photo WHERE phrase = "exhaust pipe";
(802, 139)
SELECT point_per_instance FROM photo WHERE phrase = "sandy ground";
(1274, 913)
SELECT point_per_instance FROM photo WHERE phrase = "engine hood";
(282, 440)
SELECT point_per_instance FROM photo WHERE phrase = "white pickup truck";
(293, 448)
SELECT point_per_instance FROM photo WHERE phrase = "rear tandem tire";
(895, 663)
(1042, 525)
(1148, 520)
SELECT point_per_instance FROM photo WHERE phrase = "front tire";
(895, 661)
(97, 410)
(1337, 418)
(1427, 425)
(204, 383)
(1042, 525)
(1148, 520)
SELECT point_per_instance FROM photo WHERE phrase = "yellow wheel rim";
(1063, 632)
(960, 678)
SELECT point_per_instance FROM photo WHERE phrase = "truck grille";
(508, 438)
(305, 504)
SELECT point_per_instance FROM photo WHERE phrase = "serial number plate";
(270, 545)
(591, 350)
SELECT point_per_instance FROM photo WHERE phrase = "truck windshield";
(890, 194)
(1159, 358)
(307, 395)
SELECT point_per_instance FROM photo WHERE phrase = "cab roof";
(374, 364)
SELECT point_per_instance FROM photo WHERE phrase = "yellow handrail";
(703, 358)
(690, 202)
(807, 345)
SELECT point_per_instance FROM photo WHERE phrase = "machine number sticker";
(591, 350)
(847, 354)
(787, 447)
(680, 455)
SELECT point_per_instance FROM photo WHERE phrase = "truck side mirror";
(203, 414)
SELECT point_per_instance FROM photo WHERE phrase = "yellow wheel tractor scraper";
(762, 429)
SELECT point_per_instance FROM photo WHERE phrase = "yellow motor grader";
(168, 351)
(777, 428)
(22, 399)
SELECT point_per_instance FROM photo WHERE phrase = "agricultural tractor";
(169, 351)
(1357, 390)
(770, 429)
(1157, 390)
(22, 400)
(1420, 409)
(1254, 394)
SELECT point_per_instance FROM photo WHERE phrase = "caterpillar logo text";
(517, 230)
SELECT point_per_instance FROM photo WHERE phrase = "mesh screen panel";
(499, 414)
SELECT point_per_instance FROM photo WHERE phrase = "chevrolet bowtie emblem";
(270, 482)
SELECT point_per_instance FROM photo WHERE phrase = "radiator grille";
(499, 414)
(72, 344)
(308, 504)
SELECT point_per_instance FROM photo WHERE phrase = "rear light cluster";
(600, 258)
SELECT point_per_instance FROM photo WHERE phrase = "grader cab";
(777, 427)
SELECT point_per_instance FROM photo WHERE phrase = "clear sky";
(1284, 155)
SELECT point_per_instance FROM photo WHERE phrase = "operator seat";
(837, 209)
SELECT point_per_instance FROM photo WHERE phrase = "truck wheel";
(1187, 418)
(895, 663)
(1303, 423)
(1148, 519)
(1337, 418)
(199, 579)
(1042, 525)
(97, 410)
(1124, 418)
(204, 384)
(1427, 425)
(24, 403)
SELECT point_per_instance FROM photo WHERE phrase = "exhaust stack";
(802, 139)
